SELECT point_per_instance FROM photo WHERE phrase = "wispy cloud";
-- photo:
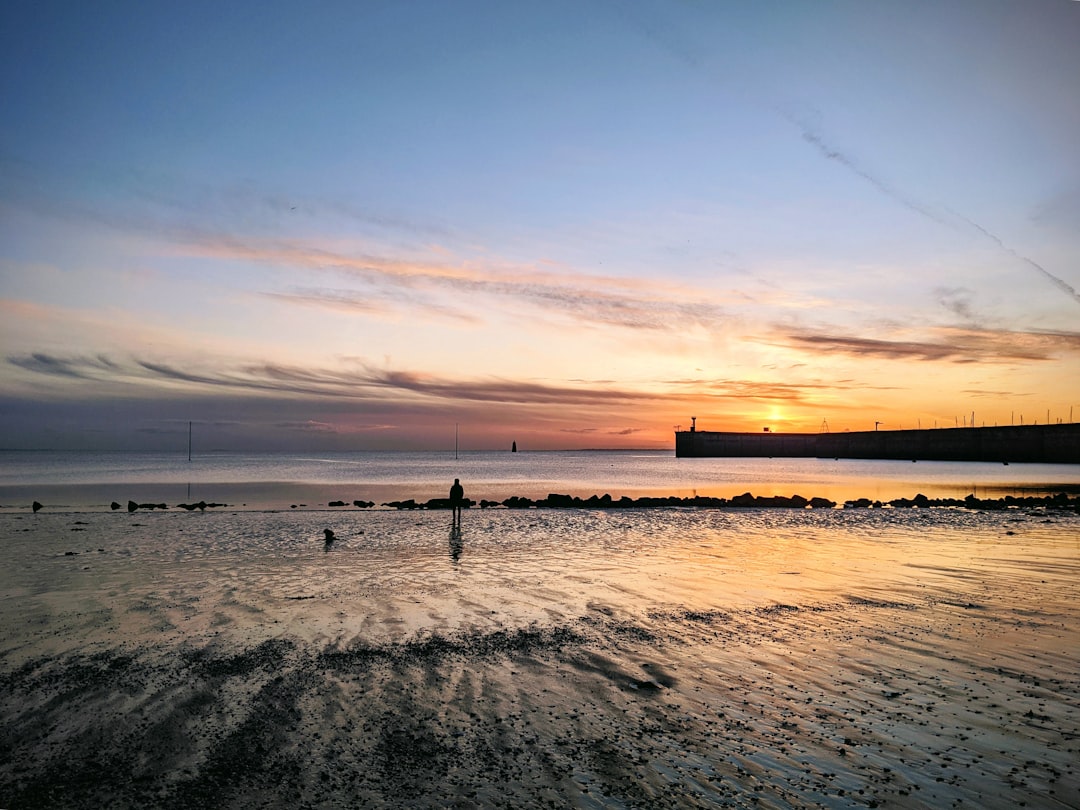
(957, 300)
(376, 302)
(362, 383)
(954, 345)
(982, 392)
(309, 426)
(389, 283)
(768, 391)
(83, 367)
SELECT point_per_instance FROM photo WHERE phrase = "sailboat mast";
(189, 441)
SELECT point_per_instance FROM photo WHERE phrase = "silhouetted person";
(457, 496)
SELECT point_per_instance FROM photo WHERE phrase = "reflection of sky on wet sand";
(679, 657)
(393, 574)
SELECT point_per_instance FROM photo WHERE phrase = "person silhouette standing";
(457, 496)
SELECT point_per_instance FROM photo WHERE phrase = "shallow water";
(90, 481)
(660, 658)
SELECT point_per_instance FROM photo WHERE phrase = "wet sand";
(639, 658)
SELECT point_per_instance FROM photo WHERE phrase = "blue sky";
(569, 224)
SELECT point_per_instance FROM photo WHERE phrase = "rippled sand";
(642, 658)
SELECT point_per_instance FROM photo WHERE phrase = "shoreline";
(1060, 499)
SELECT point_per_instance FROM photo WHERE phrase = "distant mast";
(455, 440)
(189, 441)
(513, 447)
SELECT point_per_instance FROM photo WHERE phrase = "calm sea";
(77, 481)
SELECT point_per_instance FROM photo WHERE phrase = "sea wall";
(1058, 444)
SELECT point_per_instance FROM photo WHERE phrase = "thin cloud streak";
(1061, 284)
(76, 367)
(830, 153)
(377, 303)
(953, 345)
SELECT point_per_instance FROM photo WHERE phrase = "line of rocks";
(202, 506)
(747, 500)
(1060, 500)
(556, 501)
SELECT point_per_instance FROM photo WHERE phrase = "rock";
(363, 504)
(132, 506)
(821, 503)
(36, 506)
(114, 506)
(559, 501)
(517, 502)
(336, 503)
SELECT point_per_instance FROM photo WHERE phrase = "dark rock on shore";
(363, 504)
(336, 503)
(132, 506)
(517, 502)
(446, 503)
(36, 506)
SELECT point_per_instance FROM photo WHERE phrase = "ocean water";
(90, 481)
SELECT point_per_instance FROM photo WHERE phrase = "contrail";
(830, 153)
(1058, 282)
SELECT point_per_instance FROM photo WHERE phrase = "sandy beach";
(544, 658)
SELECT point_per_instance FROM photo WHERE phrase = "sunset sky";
(352, 225)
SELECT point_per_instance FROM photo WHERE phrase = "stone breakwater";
(1048, 444)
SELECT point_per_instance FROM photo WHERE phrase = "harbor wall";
(1059, 444)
